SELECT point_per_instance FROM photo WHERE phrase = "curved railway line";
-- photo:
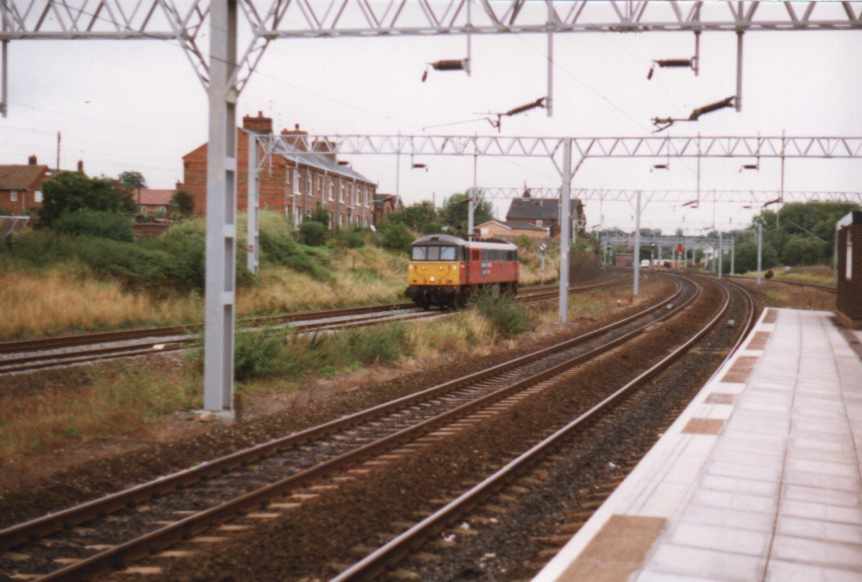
(489, 490)
(108, 532)
(36, 354)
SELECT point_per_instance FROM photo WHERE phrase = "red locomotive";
(445, 270)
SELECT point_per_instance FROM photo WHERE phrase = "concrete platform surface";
(758, 479)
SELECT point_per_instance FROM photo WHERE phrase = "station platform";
(758, 479)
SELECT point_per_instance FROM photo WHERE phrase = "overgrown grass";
(508, 317)
(120, 400)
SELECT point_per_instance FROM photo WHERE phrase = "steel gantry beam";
(587, 147)
(744, 197)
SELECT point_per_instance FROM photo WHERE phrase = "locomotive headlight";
(410, 267)
(432, 278)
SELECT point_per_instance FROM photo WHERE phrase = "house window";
(13, 196)
(38, 197)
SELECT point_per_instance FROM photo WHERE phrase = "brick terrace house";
(384, 205)
(21, 186)
(544, 212)
(295, 183)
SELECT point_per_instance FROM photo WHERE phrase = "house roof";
(319, 161)
(154, 197)
(20, 176)
(533, 209)
(537, 209)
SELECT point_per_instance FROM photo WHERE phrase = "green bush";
(98, 223)
(395, 237)
(352, 238)
(257, 354)
(312, 233)
(278, 247)
(507, 316)
(379, 345)
(71, 191)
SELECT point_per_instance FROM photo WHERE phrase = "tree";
(802, 250)
(182, 203)
(395, 236)
(71, 191)
(132, 180)
(320, 215)
(421, 217)
(454, 213)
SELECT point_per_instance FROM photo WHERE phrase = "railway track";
(108, 532)
(489, 496)
(37, 354)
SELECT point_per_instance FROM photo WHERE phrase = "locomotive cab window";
(447, 253)
(419, 253)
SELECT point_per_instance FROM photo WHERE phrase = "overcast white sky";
(137, 105)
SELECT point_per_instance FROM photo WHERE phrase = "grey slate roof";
(533, 209)
(319, 161)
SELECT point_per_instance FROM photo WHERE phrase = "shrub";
(256, 354)
(507, 316)
(182, 203)
(70, 191)
(351, 238)
(395, 236)
(278, 247)
(312, 233)
(96, 223)
(379, 345)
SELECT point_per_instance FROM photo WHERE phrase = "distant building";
(384, 205)
(21, 186)
(153, 201)
(544, 212)
(294, 184)
(511, 230)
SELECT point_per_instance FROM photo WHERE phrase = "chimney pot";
(80, 166)
(32, 160)
(296, 126)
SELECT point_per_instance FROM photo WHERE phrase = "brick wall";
(850, 291)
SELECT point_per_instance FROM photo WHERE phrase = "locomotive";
(446, 270)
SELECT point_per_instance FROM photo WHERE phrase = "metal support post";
(549, 99)
(468, 65)
(253, 234)
(471, 203)
(636, 259)
(4, 60)
(759, 254)
(4, 75)
(781, 186)
(720, 255)
(733, 256)
(739, 70)
(398, 168)
(565, 229)
(659, 253)
(221, 210)
(575, 218)
(470, 213)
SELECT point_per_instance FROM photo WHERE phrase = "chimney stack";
(296, 138)
(32, 160)
(80, 166)
(259, 124)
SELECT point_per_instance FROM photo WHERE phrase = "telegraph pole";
(720, 255)
(733, 256)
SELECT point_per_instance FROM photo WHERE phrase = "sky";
(136, 105)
